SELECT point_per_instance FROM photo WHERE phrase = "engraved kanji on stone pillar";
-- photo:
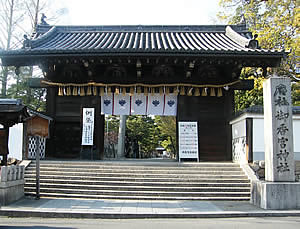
(278, 127)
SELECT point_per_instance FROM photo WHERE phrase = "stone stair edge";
(62, 195)
(211, 182)
(135, 187)
(137, 165)
(143, 192)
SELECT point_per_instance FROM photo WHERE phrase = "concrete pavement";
(130, 209)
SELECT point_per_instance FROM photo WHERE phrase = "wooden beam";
(243, 85)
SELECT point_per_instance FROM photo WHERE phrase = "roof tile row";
(163, 41)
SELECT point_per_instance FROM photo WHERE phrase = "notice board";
(188, 140)
(88, 126)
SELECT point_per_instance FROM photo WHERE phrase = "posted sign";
(88, 127)
(188, 140)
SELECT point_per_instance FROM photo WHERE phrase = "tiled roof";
(215, 39)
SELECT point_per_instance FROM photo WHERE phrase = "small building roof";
(137, 40)
(258, 109)
(34, 113)
(12, 111)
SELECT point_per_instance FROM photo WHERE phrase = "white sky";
(138, 12)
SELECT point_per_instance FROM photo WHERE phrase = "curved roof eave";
(196, 41)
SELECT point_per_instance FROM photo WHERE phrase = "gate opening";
(140, 137)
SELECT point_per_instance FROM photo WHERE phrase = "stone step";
(139, 192)
(140, 188)
(82, 196)
(138, 175)
(128, 180)
(153, 170)
(143, 179)
(134, 164)
(205, 183)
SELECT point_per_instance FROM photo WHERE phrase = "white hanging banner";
(188, 140)
(107, 104)
(88, 126)
(138, 104)
(121, 104)
(155, 104)
(170, 107)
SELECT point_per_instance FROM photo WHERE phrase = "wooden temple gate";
(202, 64)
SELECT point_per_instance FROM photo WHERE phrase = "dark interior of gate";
(200, 64)
(211, 112)
(212, 115)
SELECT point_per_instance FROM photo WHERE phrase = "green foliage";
(296, 93)
(145, 131)
(19, 17)
(245, 99)
(112, 123)
(277, 23)
(167, 127)
(35, 98)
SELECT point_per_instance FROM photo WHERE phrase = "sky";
(138, 12)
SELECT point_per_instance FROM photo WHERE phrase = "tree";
(167, 128)
(111, 135)
(10, 17)
(145, 131)
(296, 93)
(277, 23)
(15, 18)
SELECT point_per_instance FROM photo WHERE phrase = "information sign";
(188, 140)
(88, 127)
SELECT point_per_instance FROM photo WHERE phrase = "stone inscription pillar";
(278, 127)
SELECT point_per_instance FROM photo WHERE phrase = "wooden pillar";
(101, 126)
(99, 130)
(5, 157)
(249, 139)
(51, 112)
(228, 114)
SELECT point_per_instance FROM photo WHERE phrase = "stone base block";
(276, 195)
(11, 191)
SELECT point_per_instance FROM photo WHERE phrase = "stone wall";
(11, 183)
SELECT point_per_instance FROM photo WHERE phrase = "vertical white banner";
(188, 140)
(88, 126)
(107, 104)
(139, 104)
(170, 107)
(121, 104)
(155, 104)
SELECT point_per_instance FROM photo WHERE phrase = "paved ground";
(86, 208)
(228, 223)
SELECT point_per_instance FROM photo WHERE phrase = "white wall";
(239, 141)
(239, 129)
(296, 132)
(258, 138)
(15, 141)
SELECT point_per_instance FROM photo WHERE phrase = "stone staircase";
(139, 180)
